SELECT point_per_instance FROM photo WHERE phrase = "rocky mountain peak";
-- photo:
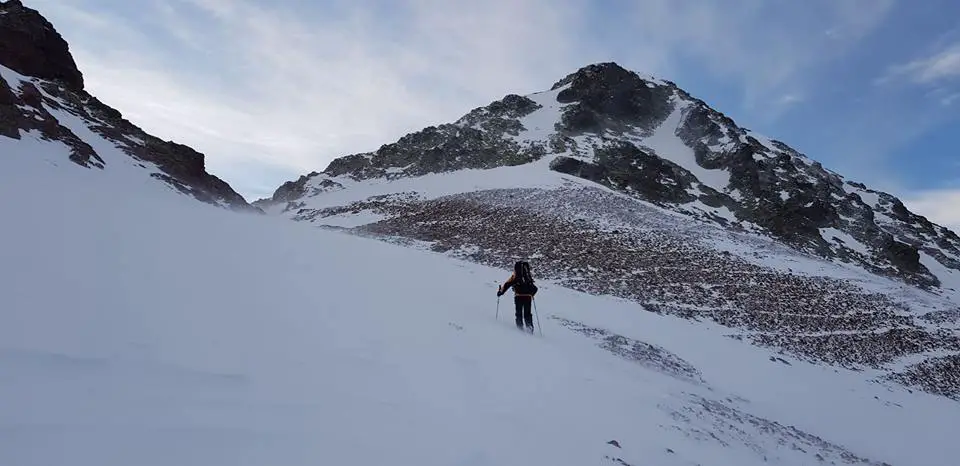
(651, 140)
(31, 46)
(765, 241)
(607, 72)
(606, 96)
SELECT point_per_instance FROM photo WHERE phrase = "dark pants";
(524, 315)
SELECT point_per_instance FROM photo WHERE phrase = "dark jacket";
(529, 290)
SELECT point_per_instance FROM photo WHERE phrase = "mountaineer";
(523, 289)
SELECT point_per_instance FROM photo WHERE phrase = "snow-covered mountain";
(651, 140)
(43, 102)
(616, 184)
(140, 326)
(126, 338)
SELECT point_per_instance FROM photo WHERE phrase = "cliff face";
(31, 46)
(41, 92)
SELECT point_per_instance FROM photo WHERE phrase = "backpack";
(524, 279)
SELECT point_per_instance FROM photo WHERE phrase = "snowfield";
(138, 326)
(667, 145)
(431, 186)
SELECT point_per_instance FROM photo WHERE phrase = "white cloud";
(269, 92)
(942, 65)
(938, 72)
(939, 206)
(950, 99)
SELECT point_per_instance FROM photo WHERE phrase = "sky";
(272, 90)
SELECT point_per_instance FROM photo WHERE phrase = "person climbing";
(523, 291)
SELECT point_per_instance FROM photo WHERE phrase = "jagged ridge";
(30, 46)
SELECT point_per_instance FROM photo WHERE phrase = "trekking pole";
(538, 316)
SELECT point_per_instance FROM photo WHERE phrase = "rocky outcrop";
(479, 140)
(31, 46)
(650, 356)
(793, 197)
(9, 113)
(605, 97)
(500, 116)
(27, 112)
(625, 167)
(938, 375)
(289, 191)
(434, 150)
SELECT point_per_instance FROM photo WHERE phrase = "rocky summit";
(31, 46)
(620, 184)
(42, 96)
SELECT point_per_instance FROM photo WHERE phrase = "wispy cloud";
(941, 66)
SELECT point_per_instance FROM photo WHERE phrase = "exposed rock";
(9, 113)
(617, 461)
(289, 191)
(940, 376)
(650, 356)
(945, 316)
(871, 349)
(627, 168)
(31, 46)
(903, 256)
(500, 115)
(733, 427)
(28, 113)
(435, 149)
(606, 96)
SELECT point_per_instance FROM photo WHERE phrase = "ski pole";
(538, 315)
(498, 308)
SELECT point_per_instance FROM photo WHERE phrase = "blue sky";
(273, 89)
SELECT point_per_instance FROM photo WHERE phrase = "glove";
(499, 292)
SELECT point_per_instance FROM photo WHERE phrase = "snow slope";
(138, 326)
(539, 125)
(431, 186)
(667, 145)
(46, 115)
